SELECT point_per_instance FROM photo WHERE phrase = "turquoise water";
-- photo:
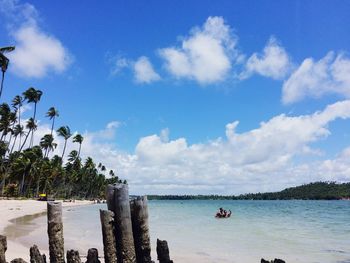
(297, 231)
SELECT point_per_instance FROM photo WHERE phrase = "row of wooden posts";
(125, 231)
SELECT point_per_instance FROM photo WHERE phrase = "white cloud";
(329, 75)
(274, 62)
(262, 159)
(37, 53)
(144, 72)
(205, 55)
(119, 64)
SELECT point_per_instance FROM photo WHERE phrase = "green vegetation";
(26, 170)
(312, 191)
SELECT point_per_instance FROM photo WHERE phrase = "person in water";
(223, 213)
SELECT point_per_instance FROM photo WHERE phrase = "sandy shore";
(12, 209)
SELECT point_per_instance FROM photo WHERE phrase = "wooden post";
(92, 256)
(108, 231)
(139, 218)
(3, 248)
(110, 197)
(55, 232)
(123, 226)
(35, 256)
(163, 251)
(73, 256)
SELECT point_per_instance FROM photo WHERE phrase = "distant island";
(312, 191)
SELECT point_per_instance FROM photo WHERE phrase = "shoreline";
(24, 210)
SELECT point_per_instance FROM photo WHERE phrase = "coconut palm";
(79, 139)
(64, 132)
(31, 126)
(17, 131)
(47, 144)
(52, 113)
(4, 62)
(33, 95)
(17, 103)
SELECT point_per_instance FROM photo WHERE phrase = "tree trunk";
(139, 218)
(3, 248)
(64, 149)
(35, 256)
(55, 232)
(163, 251)
(108, 232)
(73, 256)
(123, 225)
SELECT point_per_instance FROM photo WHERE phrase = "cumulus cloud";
(329, 75)
(261, 159)
(274, 62)
(205, 55)
(144, 72)
(37, 52)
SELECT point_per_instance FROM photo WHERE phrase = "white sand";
(11, 209)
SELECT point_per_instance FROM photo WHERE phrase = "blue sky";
(156, 87)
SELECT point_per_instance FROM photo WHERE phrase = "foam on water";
(297, 231)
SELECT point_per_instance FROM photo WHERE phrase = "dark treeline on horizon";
(312, 191)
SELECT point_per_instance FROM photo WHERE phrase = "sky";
(191, 97)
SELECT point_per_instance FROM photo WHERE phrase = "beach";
(25, 211)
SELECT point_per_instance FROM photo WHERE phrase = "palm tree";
(52, 114)
(17, 131)
(64, 132)
(33, 95)
(4, 62)
(47, 144)
(17, 103)
(5, 120)
(31, 126)
(79, 139)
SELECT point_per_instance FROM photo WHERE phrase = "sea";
(293, 230)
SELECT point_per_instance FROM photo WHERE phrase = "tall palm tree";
(52, 113)
(64, 132)
(17, 131)
(33, 95)
(17, 103)
(47, 144)
(4, 62)
(5, 120)
(79, 139)
(31, 126)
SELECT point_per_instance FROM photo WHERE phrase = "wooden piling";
(139, 218)
(73, 256)
(110, 197)
(108, 231)
(123, 226)
(92, 256)
(55, 232)
(3, 248)
(35, 256)
(163, 251)
(18, 260)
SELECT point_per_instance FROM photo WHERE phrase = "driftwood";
(3, 248)
(108, 231)
(73, 256)
(139, 218)
(55, 232)
(123, 226)
(35, 256)
(92, 256)
(163, 251)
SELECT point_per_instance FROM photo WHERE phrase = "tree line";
(27, 170)
(312, 191)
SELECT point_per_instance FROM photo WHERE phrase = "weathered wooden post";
(3, 248)
(163, 251)
(35, 256)
(92, 256)
(108, 231)
(18, 260)
(110, 197)
(123, 226)
(73, 256)
(55, 232)
(139, 218)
